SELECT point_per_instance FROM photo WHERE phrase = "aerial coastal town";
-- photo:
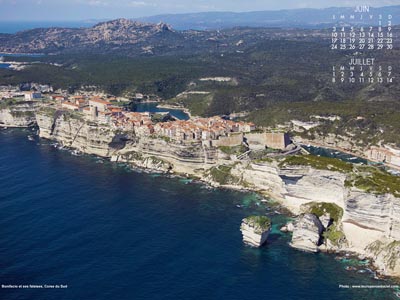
(214, 131)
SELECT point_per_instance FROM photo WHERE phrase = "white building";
(32, 95)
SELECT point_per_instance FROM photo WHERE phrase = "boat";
(238, 206)
(31, 138)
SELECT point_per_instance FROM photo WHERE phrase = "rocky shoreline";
(368, 226)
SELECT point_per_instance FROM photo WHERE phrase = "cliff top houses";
(385, 154)
(213, 131)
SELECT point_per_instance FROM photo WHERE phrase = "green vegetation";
(366, 178)
(8, 103)
(133, 155)
(22, 114)
(156, 160)
(369, 122)
(317, 162)
(222, 174)
(236, 150)
(196, 103)
(165, 138)
(48, 111)
(374, 180)
(260, 223)
(333, 233)
(319, 209)
(75, 115)
(276, 79)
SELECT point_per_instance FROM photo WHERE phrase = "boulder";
(307, 233)
(255, 230)
(288, 227)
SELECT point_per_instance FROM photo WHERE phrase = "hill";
(292, 18)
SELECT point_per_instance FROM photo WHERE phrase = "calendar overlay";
(371, 38)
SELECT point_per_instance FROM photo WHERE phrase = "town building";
(385, 154)
(32, 95)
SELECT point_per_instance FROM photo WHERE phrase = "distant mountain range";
(133, 38)
(298, 18)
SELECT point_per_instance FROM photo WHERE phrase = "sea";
(80, 227)
(11, 27)
(153, 108)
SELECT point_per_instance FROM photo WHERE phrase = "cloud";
(141, 4)
(97, 3)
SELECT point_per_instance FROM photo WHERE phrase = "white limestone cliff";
(307, 233)
(255, 230)
(18, 115)
(367, 218)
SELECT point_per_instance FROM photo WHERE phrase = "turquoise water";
(334, 154)
(152, 107)
(108, 232)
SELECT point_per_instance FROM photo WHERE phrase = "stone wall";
(271, 140)
(228, 141)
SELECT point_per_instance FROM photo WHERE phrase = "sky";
(74, 10)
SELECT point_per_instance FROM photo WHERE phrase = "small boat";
(350, 268)
(353, 158)
(31, 138)
(238, 206)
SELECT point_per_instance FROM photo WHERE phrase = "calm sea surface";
(111, 233)
(152, 107)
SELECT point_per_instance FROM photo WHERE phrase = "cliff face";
(370, 221)
(18, 115)
(181, 158)
(255, 230)
(370, 224)
(72, 131)
(306, 233)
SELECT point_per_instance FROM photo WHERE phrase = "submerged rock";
(307, 233)
(255, 230)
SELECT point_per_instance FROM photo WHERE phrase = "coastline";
(168, 106)
(282, 205)
(362, 156)
(342, 254)
(265, 178)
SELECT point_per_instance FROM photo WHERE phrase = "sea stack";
(307, 233)
(255, 230)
